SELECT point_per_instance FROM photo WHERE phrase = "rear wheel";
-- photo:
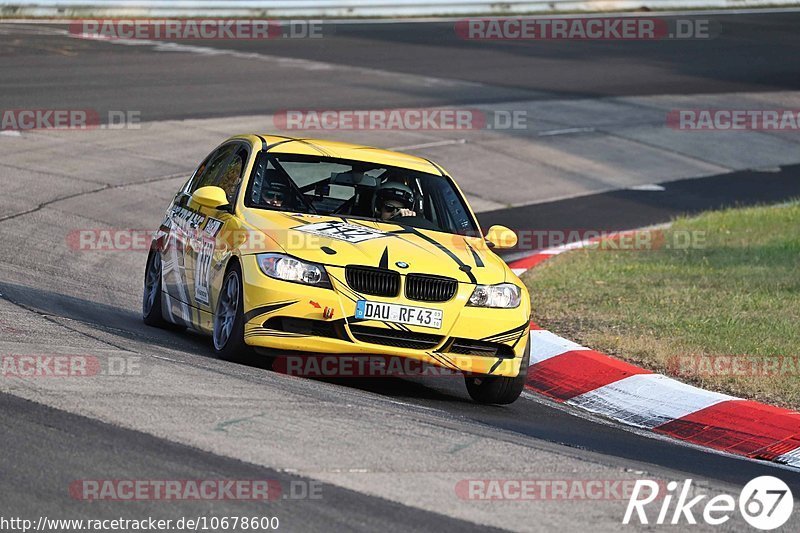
(151, 297)
(499, 390)
(229, 319)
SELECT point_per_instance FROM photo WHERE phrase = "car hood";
(340, 241)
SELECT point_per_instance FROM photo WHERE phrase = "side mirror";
(501, 237)
(210, 196)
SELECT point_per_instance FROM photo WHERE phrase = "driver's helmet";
(393, 190)
(274, 193)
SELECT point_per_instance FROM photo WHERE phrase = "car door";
(214, 231)
(183, 222)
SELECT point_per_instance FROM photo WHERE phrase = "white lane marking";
(429, 145)
(647, 187)
(565, 131)
(281, 61)
(545, 345)
(791, 458)
(10, 133)
(647, 400)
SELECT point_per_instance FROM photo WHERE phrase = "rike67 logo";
(765, 503)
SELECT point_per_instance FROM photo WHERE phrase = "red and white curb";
(578, 376)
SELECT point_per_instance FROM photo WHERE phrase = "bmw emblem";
(401, 264)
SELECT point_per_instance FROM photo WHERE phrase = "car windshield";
(329, 186)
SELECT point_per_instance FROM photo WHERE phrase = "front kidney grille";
(374, 281)
(430, 288)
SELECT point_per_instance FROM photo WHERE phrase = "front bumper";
(291, 317)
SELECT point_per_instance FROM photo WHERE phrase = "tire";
(228, 334)
(499, 390)
(151, 295)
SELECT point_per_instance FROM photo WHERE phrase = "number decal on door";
(202, 276)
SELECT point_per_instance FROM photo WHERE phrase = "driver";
(392, 200)
(273, 195)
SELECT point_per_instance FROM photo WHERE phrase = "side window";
(269, 188)
(210, 169)
(230, 174)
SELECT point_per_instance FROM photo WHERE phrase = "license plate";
(403, 314)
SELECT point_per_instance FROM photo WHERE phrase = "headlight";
(288, 268)
(505, 295)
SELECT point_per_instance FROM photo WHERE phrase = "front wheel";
(228, 332)
(151, 298)
(499, 390)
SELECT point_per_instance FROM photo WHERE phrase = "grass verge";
(715, 301)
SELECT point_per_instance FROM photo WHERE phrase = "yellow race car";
(287, 245)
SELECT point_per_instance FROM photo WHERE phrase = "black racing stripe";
(275, 334)
(440, 358)
(494, 366)
(344, 288)
(475, 256)
(461, 264)
(282, 335)
(250, 315)
(506, 333)
(267, 331)
(271, 146)
(446, 358)
(315, 147)
(502, 338)
(384, 262)
(521, 335)
(440, 169)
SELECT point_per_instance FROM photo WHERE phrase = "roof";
(342, 150)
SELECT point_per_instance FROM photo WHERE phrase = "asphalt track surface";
(750, 53)
(44, 449)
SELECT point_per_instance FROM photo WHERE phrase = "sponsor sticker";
(341, 231)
